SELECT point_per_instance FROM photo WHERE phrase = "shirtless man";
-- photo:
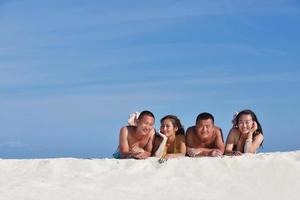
(137, 141)
(204, 139)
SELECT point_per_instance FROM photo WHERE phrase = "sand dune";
(261, 176)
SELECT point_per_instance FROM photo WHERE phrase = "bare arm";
(219, 144)
(230, 143)
(149, 145)
(191, 151)
(208, 152)
(123, 143)
(161, 147)
(252, 146)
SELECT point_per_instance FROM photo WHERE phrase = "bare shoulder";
(124, 130)
(217, 130)
(180, 138)
(259, 137)
(190, 136)
(127, 130)
(233, 132)
(190, 130)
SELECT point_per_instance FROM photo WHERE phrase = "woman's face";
(167, 128)
(245, 123)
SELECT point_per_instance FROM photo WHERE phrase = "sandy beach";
(261, 176)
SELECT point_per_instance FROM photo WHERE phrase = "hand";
(254, 127)
(163, 136)
(142, 155)
(163, 159)
(192, 152)
(216, 153)
(237, 153)
(136, 149)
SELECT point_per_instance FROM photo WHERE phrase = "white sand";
(262, 176)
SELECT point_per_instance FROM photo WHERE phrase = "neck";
(204, 139)
(138, 135)
(171, 138)
(244, 136)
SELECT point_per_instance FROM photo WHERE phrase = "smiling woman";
(170, 143)
(246, 136)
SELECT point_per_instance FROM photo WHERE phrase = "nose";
(149, 126)
(244, 125)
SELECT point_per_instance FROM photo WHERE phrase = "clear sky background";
(71, 71)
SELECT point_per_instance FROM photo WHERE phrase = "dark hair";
(204, 116)
(254, 118)
(146, 112)
(176, 122)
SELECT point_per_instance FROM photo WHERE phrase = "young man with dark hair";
(137, 141)
(204, 139)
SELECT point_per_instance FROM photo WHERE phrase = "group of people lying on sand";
(139, 139)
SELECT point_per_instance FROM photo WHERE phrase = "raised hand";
(254, 127)
(163, 136)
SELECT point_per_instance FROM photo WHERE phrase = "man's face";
(204, 128)
(145, 124)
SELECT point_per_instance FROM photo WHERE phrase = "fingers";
(237, 153)
(162, 135)
(163, 159)
(216, 153)
(136, 149)
(142, 155)
(254, 127)
(192, 152)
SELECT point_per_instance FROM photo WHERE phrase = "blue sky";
(71, 72)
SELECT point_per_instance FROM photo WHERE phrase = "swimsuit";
(117, 154)
(174, 150)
